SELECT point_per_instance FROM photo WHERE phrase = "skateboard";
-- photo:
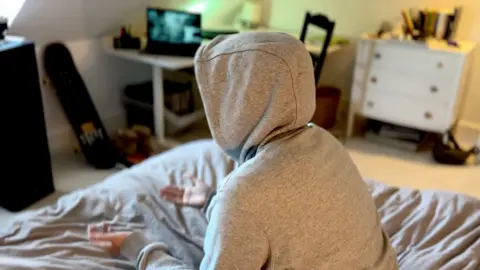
(72, 92)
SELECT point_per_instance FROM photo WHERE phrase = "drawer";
(364, 51)
(414, 59)
(404, 111)
(426, 88)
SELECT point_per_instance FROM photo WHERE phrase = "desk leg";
(158, 104)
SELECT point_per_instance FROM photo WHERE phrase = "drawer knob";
(428, 115)
(440, 65)
(378, 56)
(373, 79)
(434, 89)
(370, 104)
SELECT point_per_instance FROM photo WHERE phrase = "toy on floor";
(136, 144)
(448, 151)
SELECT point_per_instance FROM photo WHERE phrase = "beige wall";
(47, 20)
(354, 17)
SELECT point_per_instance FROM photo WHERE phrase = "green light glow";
(199, 7)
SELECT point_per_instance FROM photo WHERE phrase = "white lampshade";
(251, 13)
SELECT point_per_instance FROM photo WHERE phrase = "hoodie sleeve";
(233, 239)
(154, 255)
(149, 256)
(208, 202)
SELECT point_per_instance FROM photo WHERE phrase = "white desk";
(158, 63)
(161, 62)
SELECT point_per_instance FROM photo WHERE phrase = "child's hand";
(110, 242)
(195, 196)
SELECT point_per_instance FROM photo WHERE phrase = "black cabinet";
(26, 172)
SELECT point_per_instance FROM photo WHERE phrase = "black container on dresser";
(26, 172)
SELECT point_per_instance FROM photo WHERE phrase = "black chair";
(324, 23)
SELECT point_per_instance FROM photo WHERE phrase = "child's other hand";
(195, 196)
(110, 242)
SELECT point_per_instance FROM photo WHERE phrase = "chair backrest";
(326, 24)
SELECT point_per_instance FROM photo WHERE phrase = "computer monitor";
(173, 32)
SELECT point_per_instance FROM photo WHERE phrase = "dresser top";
(464, 47)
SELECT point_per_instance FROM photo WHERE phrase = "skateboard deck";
(78, 106)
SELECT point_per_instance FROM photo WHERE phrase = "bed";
(429, 230)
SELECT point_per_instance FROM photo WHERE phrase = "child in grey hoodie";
(296, 201)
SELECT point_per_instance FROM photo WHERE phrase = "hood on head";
(255, 87)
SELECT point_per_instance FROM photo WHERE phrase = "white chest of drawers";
(412, 85)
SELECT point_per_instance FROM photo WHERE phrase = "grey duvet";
(429, 230)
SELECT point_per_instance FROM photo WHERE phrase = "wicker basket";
(328, 99)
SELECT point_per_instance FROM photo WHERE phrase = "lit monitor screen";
(174, 27)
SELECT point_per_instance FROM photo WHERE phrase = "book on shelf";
(438, 23)
(376, 138)
(394, 136)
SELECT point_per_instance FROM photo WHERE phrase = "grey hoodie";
(296, 201)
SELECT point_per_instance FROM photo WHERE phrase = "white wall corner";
(468, 133)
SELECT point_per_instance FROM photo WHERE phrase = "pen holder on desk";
(126, 43)
(3, 27)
